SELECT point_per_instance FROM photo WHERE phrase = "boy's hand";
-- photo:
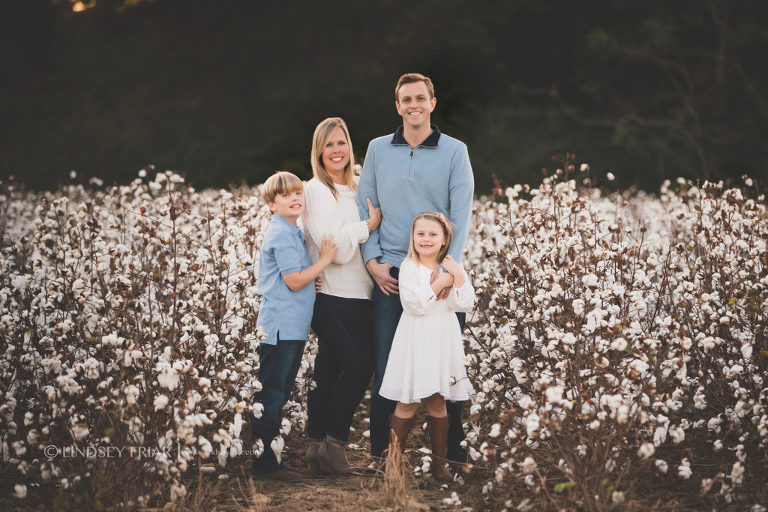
(374, 216)
(327, 249)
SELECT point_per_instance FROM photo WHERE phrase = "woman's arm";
(323, 216)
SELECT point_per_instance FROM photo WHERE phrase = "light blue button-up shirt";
(283, 312)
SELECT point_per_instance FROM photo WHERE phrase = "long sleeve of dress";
(463, 298)
(416, 294)
(323, 216)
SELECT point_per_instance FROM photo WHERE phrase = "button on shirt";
(284, 311)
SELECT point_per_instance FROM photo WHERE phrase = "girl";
(427, 356)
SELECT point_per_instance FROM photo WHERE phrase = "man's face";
(414, 104)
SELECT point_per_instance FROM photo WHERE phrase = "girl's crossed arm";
(462, 295)
(416, 292)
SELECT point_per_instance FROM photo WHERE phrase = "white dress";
(427, 354)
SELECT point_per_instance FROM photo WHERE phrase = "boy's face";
(414, 104)
(289, 206)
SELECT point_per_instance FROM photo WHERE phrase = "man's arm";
(366, 189)
(371, 248)
(462, 189)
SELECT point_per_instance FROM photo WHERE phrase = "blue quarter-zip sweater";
(435, 175)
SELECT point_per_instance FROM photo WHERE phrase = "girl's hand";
(451, 266)
(440, 280)
(374, 216)
(327, 249)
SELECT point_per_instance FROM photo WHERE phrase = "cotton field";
(617, 350)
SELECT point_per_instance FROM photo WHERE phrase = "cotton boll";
(20, 491)
(277, 446)
(646, 450)
(160, 402)
(684, 469)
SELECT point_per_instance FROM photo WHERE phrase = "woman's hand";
(319, 284)
(374, 216)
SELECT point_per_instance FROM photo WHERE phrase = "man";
(415, 169)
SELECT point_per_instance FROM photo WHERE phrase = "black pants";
(343, 365)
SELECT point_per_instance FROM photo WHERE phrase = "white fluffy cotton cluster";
(612, 328)
(128, 319)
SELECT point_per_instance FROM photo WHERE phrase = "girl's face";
(428, 238)
(336, 153)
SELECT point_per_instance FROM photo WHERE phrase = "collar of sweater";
(429, 142)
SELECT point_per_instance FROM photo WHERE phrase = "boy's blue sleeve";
(290, 258)
(371, 248)
(462, 189)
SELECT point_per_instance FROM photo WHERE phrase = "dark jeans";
(343, 365)
(386, 314)
(278, 366)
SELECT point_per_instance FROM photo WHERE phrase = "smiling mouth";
(337, 159)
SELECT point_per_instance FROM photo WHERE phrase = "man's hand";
(380, 274)
(318, 284)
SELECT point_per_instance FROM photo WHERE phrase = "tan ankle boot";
(333, 459)
(398, 431)
(438, 437)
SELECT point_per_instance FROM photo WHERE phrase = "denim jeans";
(278, 366)
(386, 314)
(343, 365)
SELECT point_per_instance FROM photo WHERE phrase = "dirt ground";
(236, 489)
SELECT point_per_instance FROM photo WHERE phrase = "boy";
(286, 281)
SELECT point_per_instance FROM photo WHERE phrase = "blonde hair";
(447, 233)
(282, 182)
(319, 140)
(410, 78)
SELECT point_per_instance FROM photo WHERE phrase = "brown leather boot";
(398, 430)
(333, 459)
(438, 437)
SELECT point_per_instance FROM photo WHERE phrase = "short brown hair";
(410, 78)
(282, 182)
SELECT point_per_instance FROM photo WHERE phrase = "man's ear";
(433, 102)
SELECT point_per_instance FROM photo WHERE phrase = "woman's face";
(336, 153)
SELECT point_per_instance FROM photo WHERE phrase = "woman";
(343, 309)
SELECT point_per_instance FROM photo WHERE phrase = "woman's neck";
(337, 178)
